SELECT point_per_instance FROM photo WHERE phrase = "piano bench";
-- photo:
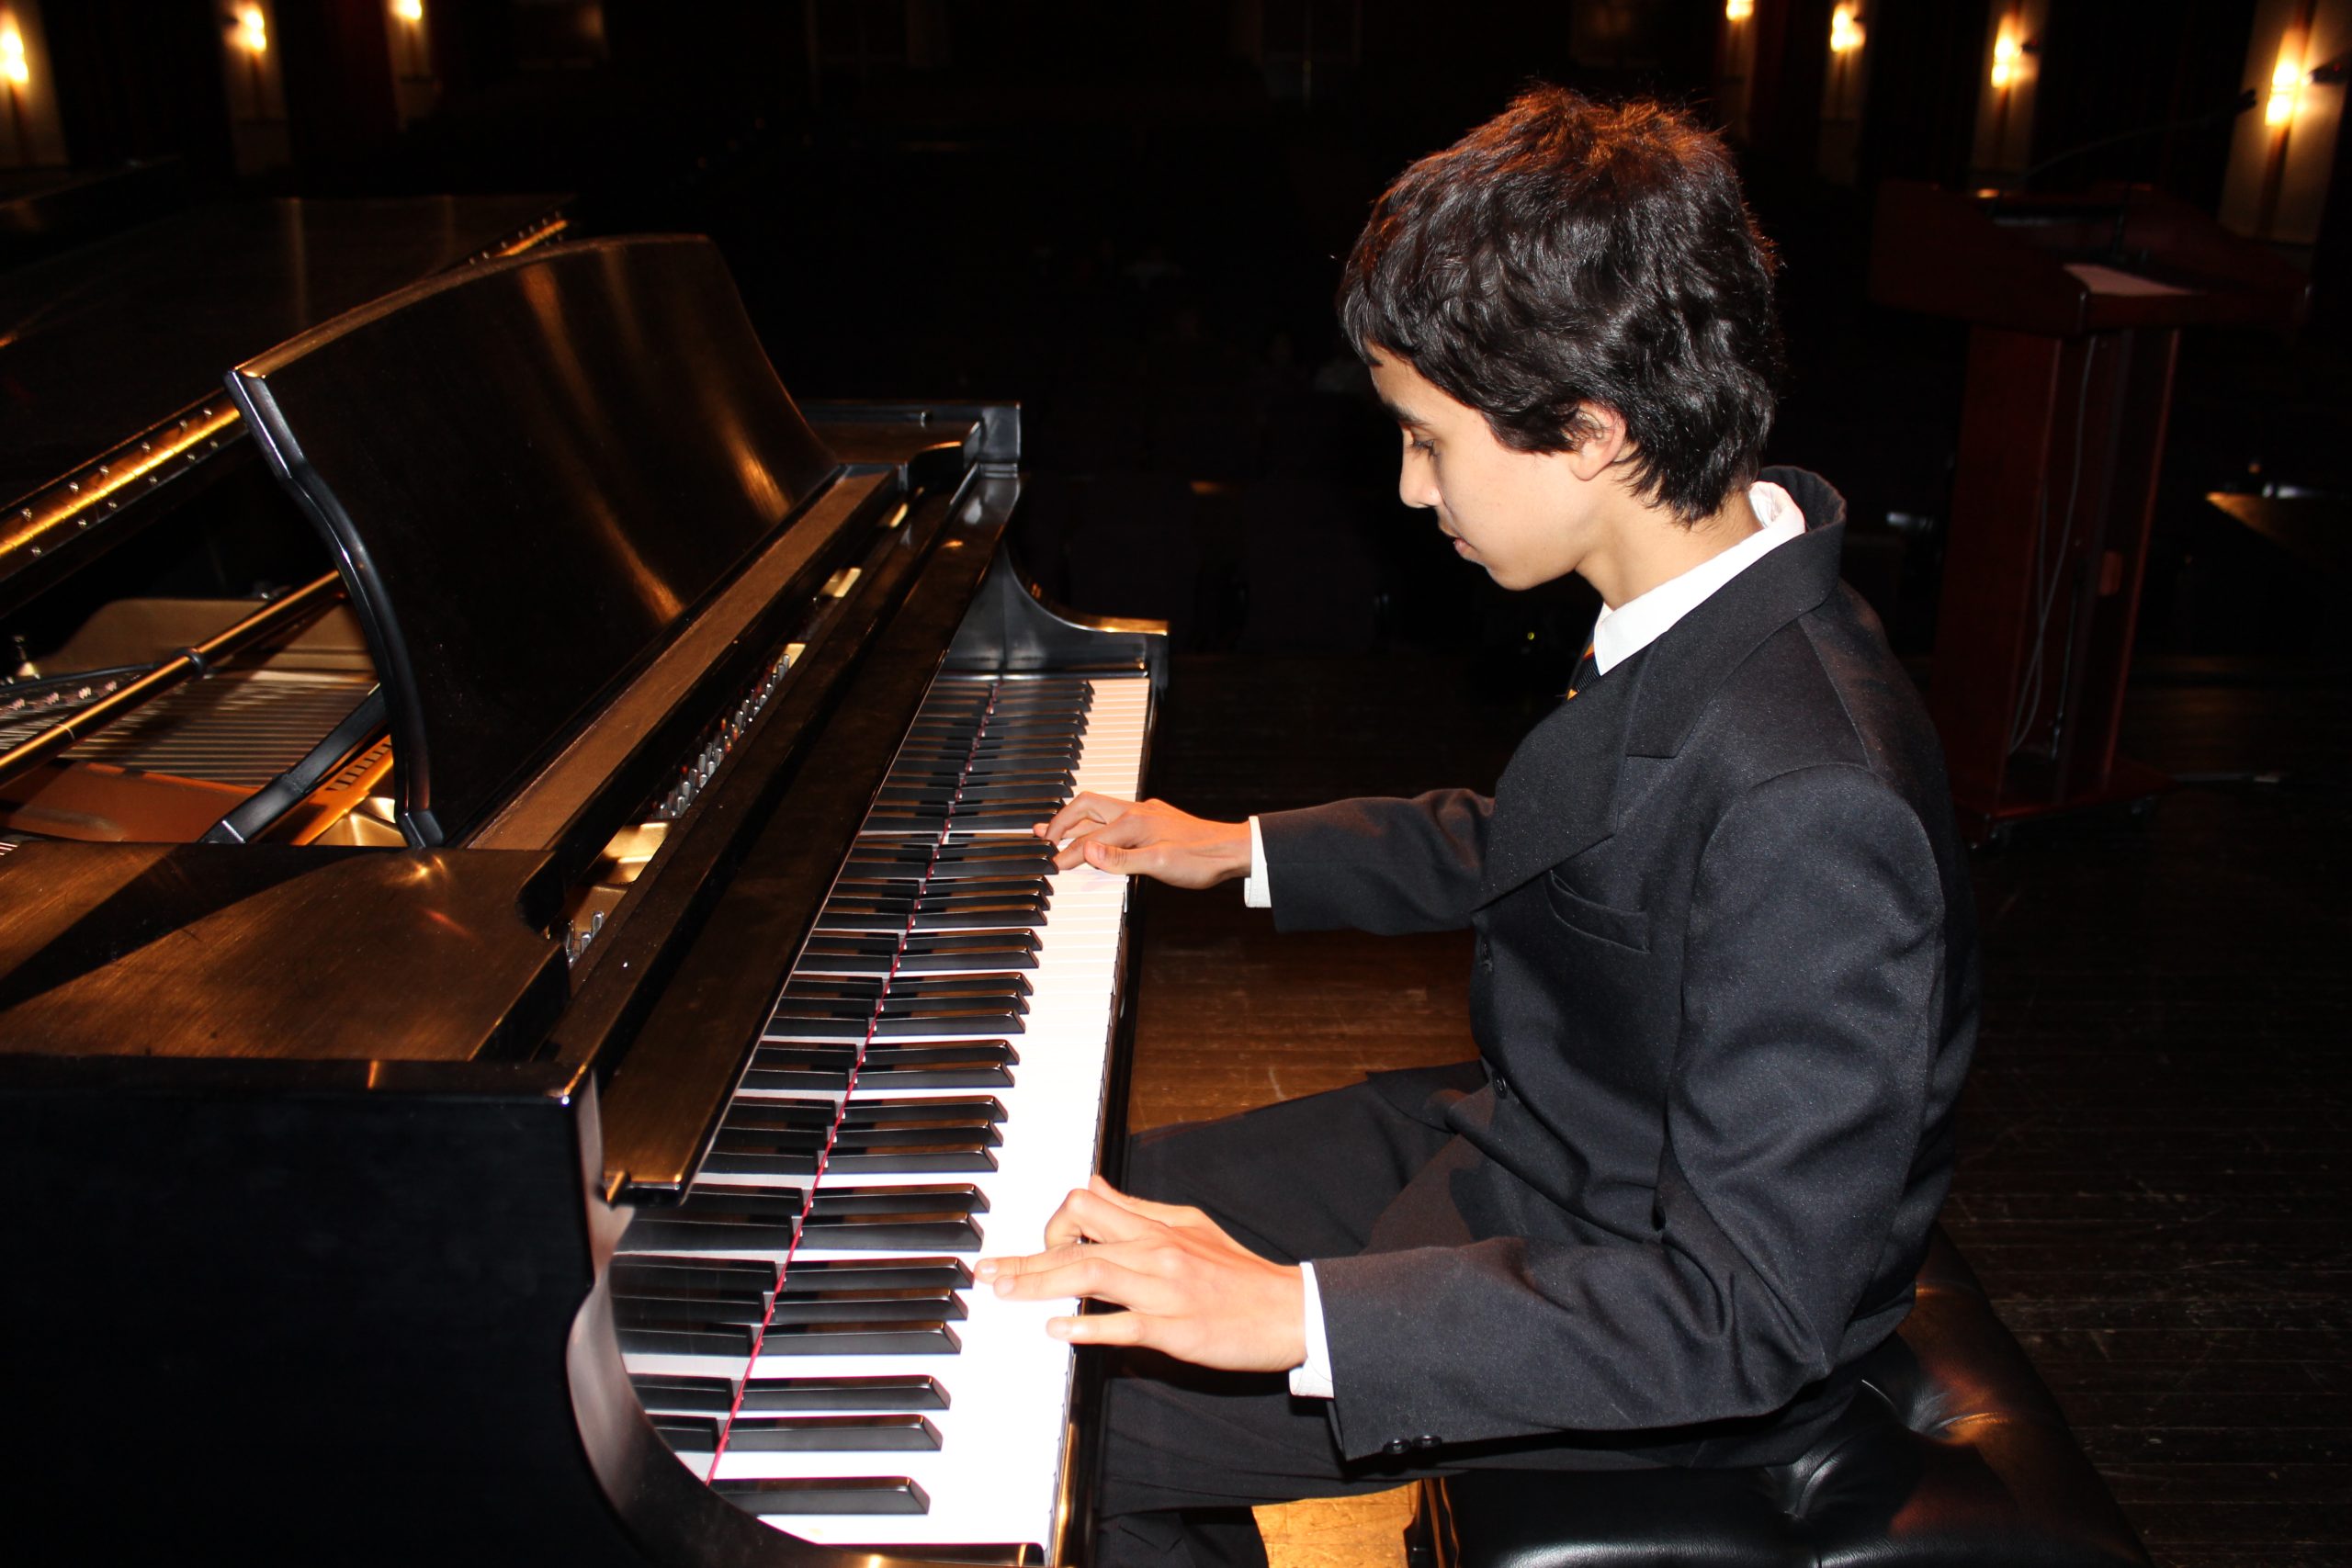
(1953, 1454)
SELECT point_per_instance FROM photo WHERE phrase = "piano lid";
(530, 471)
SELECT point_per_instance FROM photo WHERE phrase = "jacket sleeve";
(1811, 1008)
(1380, 865)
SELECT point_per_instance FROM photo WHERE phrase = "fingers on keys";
(1085, 813)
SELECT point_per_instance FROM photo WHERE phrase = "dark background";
(1130, 215)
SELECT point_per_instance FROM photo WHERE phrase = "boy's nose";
(1415, 488)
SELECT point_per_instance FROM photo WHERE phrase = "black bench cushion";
(1951, 1453)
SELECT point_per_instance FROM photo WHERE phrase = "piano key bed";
(803, 1328)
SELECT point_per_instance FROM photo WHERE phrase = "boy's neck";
(1650, 547)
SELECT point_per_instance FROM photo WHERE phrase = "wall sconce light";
(15, 68)
(2286, 88)
(249, 31)
(2009, 58)
(1738, 10)
(1846, 29)
(409, 11)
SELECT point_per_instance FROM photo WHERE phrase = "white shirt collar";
(1621, 632)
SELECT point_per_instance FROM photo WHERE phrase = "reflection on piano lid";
(128, 466)
(457, 1167)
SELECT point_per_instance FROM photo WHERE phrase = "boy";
(1725, 982)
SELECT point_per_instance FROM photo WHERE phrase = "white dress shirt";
(1618, 634)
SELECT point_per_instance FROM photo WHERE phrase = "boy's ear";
(1598, 432)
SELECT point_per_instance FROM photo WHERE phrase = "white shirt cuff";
(1311, 1378)
(1257, 893)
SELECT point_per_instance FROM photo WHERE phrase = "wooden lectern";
(2076, 305)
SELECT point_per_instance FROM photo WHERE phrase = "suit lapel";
(1558, 796)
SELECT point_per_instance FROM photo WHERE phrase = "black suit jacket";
(1726, 992)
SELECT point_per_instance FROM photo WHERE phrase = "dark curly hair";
(1570, 252)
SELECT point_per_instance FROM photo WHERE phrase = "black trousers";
(1187, 1452)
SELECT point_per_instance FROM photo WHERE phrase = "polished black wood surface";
(192, 951)
(2152, 1178)
(107, 338)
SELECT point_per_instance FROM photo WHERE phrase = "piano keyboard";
(803, 1329)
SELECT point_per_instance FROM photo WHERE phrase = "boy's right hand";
(1148, 838)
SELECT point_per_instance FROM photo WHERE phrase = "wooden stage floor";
(2151, 1179)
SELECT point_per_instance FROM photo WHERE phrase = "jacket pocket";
(1626, 928)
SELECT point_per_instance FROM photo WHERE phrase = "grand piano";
(546, 1112)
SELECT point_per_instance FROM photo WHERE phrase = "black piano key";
(877, 1111)
(1027, 783)
(1065, 708)
(956, 851)
(873, 1304)
(895, 1150)
(913, 1135)
(993, 817)
(961, 1196)
(664, 1395)
(1043, 756)
(963, 797)
(969, 722)
(964, 1064)
(779, 1200)
(868, 1336)
(833, 1434)
(947, 895)
(733, 1134)
(957, 1022)
(646, 1273)
(973, 917)
(788, 1199)
(881, 1273)
(993, 857)
(816, 1116)
(797, 1494)
(673, 1230)
(978, 918)
(984, 1065)
(932, 953)
(653, 1310)
(887, 1393)
(990, 721)
(998, 819)
(797, 1076)
(866, 1117)
(941, 1156)
(789, 1028)
(689, 1434)
(912, 1002)
(725, 1160)
(921, 954)
(943, 1230)
(763, 1141)
(936, 901)
(919, 773)
(867, 987)
(986, 882)
(969, 1072)
(917, 958)
(731, 1340)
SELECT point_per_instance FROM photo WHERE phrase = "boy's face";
(1527, 517)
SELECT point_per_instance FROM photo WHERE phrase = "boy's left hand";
(1191, 1291)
